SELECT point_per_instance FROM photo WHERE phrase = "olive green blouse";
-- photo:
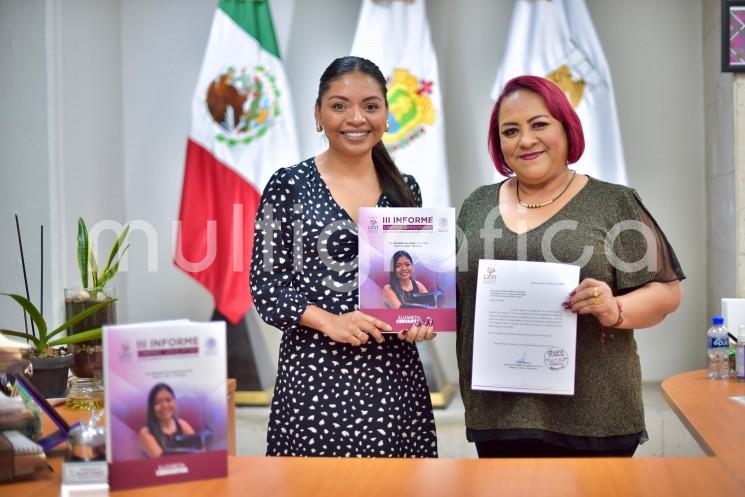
(605, 229)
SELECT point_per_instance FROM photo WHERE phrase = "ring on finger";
(595, 292)
(597, 301)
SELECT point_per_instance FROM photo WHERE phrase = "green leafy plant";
(87, 261)
(47, 339)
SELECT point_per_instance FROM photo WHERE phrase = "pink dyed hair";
(556, 103)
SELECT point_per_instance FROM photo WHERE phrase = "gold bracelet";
(620, 315)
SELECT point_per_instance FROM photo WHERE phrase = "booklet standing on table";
(407, 264)
(166, 402)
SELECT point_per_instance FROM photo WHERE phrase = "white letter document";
(524, 341)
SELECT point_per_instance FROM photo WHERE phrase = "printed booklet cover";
(166, 402)
(407, 261)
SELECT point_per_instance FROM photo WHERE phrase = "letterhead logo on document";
(490, 274)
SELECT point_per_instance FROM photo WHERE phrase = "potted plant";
(50, 363)
(96, 288)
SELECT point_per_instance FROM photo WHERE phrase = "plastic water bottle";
(718, 349)
(740, 354)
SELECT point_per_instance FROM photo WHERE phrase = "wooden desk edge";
(714, 420)
(686, 422)
(619, 477)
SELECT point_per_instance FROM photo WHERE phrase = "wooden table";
(704, 406)
(715, 420)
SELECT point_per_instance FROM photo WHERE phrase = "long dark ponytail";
(391, 183)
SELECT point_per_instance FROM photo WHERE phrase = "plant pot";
(88, 355)
(50, 374)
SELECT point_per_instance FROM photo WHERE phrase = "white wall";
(720, 163)
(162, 48)
(88, 107)
(739, 210)
(149, 54)
(24, 157)
(654, 50)
(159, 72)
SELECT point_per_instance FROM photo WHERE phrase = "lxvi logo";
(373, 226)
(491, 273)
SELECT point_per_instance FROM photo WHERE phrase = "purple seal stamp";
(556, 358)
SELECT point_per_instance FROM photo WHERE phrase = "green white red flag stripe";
(242, 130)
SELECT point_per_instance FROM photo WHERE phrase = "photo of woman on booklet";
(164, 430)
(404, 290)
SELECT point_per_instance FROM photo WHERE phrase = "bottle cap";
(717, 320)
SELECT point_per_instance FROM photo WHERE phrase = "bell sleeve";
(641, 252)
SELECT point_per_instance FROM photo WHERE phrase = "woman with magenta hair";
(403, 286)
(163, 424)
(545, 211)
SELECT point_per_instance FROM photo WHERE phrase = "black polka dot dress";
(330, 399)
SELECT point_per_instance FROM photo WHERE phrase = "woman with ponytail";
(343, 387)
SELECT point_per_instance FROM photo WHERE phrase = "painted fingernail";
(566, 303)
(403, 332)
(573, 292)
(418, 323)
(428, 321)
(574, 311)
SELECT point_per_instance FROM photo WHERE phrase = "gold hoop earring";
(387, 127)
(319, 128)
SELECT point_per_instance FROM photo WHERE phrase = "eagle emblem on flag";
(243, 104)
(574, 88)
(410, 109)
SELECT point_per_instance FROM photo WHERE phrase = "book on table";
(166, 402)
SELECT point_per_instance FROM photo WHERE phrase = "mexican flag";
(557, 40)
(242, 130)
(396, 37)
